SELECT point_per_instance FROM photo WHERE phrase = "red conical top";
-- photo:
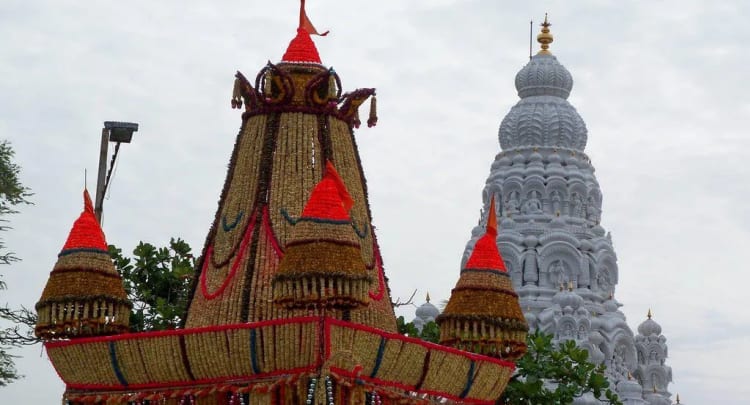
(86, 232)
(302, 49)
(486, 256)
(329, 199)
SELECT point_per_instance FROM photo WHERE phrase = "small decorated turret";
(84, 295)
(483, 314)
(652, 371)
(425, 314)
(323, 267)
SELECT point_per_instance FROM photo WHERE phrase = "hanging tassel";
(236, 96)
(356, 122)
(373, 119)
(332, 91)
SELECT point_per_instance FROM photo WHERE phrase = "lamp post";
(117, 132)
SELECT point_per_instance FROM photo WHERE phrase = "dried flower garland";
(84, 295)
(483, 314)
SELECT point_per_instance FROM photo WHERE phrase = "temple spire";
(545, 38)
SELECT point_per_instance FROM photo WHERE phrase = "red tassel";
(372, 120)
(236, 97)
(356, 122)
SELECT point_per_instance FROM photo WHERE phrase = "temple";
(290, 303)
(559, 257)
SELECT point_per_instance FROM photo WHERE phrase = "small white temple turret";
(425, 314)
(652, 372)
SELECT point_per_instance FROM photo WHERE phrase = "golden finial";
(630, 376)
(428, 297)
(678, 399)
(570, 286)
(649, 313)
(545, 38)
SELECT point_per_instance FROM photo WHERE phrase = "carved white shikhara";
(561, 260)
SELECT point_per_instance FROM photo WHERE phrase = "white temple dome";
(543, 117)
(629, 389)
(427, 312)
(649, 327)
(544, 76)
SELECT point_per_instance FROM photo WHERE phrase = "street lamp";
(117, 132)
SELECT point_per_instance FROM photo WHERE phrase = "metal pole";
(531, 35)
(100, 186)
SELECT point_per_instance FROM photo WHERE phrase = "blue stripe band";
(469, 381)
(115, 365)
(253, 354)
(379, 359)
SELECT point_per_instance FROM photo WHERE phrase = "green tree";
(430, 331)
(157, 281)
(12, 195)
(550, 374)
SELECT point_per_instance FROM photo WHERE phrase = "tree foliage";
(12, 194)
(430, 331)
(157, 281)
(550, 374)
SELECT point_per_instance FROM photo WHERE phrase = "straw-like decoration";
(84, 295)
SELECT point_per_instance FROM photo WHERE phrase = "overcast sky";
(662, 86)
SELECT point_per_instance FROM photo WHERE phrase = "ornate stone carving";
(556, 202)
(533, 205)
(511, 204)
(546, 177)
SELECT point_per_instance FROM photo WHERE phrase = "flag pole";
(531, 34)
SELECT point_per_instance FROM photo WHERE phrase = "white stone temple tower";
(560, 258)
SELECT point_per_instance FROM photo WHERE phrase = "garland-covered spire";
(483, 314)
(322, 267)
(84, 295)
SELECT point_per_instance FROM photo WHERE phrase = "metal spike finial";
(649, 313)
(545, 38)
(428, 296)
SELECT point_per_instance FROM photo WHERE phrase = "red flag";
(305, 22)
